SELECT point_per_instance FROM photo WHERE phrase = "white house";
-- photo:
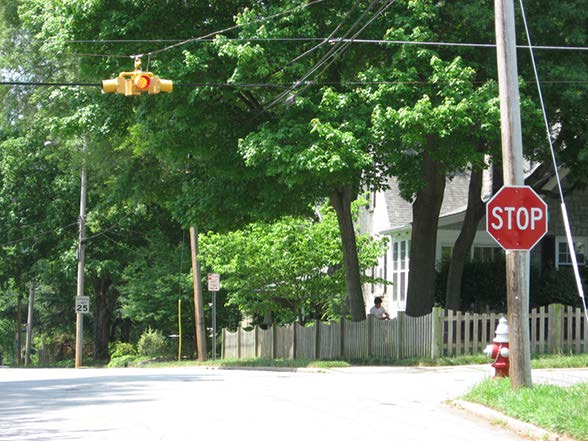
(390, 216)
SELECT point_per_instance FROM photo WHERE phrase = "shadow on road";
(27, 405)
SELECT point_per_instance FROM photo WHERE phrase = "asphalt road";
(401, 404)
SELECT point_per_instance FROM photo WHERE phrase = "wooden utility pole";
(517, 262)
(29, 335)
(198, 305)
(19, 330)
(81, 259)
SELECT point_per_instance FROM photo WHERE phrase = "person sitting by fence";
(378, 310)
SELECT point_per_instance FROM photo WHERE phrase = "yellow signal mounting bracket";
(136, 82)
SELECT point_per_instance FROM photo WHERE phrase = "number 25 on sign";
(82, 304)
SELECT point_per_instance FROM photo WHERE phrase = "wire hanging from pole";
(564, 210)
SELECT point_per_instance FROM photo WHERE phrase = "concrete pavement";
(400, 404)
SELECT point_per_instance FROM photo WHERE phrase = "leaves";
(291, 267)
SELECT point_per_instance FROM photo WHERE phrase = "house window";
(446, 252)
(487, 254)
(478, 253)
(371, 197)
(385, 275)
(563, 255)
(400, 263)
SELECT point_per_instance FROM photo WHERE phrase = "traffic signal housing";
(136, 83)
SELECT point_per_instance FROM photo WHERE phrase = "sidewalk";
(560, 377)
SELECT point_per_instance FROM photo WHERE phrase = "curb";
(269, 369)
(520, 427)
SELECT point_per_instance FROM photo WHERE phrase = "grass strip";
(563, 410)
(539, 362)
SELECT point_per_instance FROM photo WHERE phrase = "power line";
(564, 210)
(322, 41)
(332, 54)
(222, 31)
(44, 84)
(36, 236)
(334, 40)
(268, 85)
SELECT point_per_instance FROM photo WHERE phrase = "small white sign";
(82, 304)
(214, 282)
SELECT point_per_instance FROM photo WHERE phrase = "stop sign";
(516, 217)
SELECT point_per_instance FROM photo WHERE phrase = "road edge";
(522, 428)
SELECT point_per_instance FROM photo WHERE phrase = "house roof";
(400, 211)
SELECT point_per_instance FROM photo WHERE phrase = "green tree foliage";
(157, 275)
(223, 157)
(563, 75)
(291, 268)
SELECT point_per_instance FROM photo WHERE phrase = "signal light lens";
(142, 82)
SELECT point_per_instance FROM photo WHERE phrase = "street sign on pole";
(214, 286)
(214, 282)
(82, 304)
(516, 217)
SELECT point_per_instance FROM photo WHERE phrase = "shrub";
(120, 349)
(484, 286)
(151, 344)
(556, 286)
(122, 361)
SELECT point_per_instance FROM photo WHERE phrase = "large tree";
(314, 136)
(561, 72)
(436, 119)
(288, 156)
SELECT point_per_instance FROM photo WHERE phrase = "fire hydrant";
(499, 349)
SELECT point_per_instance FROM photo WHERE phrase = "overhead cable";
(222, 31)
(331, 55)
(333, 40)
(570, 240)
(266, 84)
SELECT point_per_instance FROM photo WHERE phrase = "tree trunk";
(420, 296)
(341, 201)
(104, 301)
(463, 244)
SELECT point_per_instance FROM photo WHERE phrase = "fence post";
(256, 341)
(239, 343)
(274, 337)
(399, 335)
(370, 324)
(437, 316)
(555, 328)
(223, 343)
(342, 339)
(294, 325)
(317, 339)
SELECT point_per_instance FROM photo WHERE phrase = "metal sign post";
(213, 287)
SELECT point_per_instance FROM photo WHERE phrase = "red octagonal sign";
(516, 217)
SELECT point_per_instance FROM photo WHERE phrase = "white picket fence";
(553, 329)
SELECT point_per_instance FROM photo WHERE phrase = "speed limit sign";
(82, 304)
